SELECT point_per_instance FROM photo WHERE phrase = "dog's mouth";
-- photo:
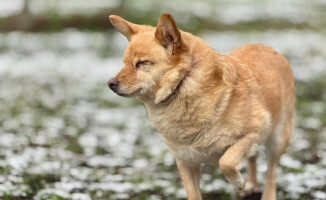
(133, 94)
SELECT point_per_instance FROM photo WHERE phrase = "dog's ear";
(169, 83)
(123, 26)
(168, 33)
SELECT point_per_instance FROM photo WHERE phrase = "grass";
(36, 182)
(74, 146)
(5, 169)
(13, 197)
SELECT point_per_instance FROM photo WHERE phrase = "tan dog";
(210, 108)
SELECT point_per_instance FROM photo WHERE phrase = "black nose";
(113, 83)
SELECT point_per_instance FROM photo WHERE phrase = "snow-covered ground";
(63, 134)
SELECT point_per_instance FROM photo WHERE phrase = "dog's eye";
(142, 62)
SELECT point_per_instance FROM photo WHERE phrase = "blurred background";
(64, 135)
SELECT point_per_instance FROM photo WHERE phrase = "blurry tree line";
(52, 20)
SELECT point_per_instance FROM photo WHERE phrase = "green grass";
(36, 182)
(5, 169)
(53, 197)
(73, 145)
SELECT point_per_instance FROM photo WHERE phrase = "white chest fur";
(190, 155)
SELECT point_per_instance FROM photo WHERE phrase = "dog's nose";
(113, 83)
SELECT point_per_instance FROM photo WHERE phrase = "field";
(65, 135)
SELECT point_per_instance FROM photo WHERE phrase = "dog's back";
(274, 75)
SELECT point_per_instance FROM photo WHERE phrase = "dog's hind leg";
(275, 147)
(251, 185)
(190, 176)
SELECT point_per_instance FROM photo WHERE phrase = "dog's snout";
(113, 83)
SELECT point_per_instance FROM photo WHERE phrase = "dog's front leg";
(190, 175)
(229, 162)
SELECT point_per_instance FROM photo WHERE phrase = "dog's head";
(155, 59)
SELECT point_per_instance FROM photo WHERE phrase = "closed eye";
(140, 63)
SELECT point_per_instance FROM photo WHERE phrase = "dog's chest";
(190, 155)
(180, 125)
(191, 135)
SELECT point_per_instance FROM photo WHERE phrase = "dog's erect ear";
(168, 33)
(123, 26)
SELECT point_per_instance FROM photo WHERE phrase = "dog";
(210, 108)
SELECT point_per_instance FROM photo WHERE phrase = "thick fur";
(210, 108)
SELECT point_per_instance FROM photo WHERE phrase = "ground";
(65, 135)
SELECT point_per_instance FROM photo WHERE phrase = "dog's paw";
(238, 185)
(250, 188)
